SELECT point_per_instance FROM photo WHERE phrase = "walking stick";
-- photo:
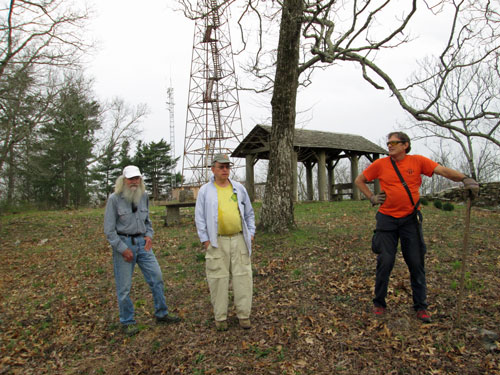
(464, 258)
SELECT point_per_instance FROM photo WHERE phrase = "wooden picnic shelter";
(311, 148)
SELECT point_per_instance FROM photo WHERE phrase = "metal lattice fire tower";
(213, 120)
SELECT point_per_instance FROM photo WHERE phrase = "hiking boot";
(245, 323)
(221, 325)
(169, 318)
(424, 316)
(130, 329)
(378, 310)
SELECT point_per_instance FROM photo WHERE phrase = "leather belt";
(130, 235)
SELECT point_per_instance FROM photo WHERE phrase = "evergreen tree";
(109, 168)
(155, 163)
(62, 176)
(123, 158)
(104, 174)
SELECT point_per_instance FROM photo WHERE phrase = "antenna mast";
(170, 104)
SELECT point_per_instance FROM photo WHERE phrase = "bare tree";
(120, 123)
(467, 92)
(321, 33)
(23, 107)
(445, 156)
(35, 38)
(457, 91)
(40, 34)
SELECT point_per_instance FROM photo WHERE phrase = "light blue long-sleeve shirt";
(206, 213)
(119, 218)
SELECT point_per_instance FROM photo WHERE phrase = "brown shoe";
(245, 323)
(221, 325)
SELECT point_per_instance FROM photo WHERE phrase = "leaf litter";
(311, 308)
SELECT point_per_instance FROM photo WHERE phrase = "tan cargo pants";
(229, 259)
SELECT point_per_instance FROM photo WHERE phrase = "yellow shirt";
(229, 220)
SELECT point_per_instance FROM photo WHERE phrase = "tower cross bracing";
(213, 119)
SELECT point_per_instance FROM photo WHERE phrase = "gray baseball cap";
(221, 158)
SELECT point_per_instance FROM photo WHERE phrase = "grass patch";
(312, 297)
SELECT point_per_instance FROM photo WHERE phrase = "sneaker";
(169, 318)
(378, 310)
(245, 323)
(424, 316)
(221, 325)
(130, 329)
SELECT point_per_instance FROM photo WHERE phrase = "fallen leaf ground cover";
(312, 299)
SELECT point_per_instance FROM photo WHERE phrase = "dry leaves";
(311, 311)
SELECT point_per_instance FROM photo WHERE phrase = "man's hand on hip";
(128, 255)
(378, 198)
(149, 243)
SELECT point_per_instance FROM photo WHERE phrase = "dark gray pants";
(389, 231)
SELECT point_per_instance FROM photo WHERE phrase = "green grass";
(312, 296)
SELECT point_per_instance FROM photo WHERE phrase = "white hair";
(132, 196)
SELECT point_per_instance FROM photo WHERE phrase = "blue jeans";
(151, 271)
(389, 231)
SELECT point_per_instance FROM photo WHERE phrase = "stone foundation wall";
(489, 195)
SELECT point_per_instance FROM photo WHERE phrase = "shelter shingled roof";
(307, 143)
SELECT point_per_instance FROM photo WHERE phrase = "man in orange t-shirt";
(399, 219)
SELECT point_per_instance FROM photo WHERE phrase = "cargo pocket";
(213, 264)
(245, 258)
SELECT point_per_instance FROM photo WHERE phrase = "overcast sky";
(143, 49)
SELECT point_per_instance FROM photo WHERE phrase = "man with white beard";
(129, 231)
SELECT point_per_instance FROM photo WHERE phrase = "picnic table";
(172, 211)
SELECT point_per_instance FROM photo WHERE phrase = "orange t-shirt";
(397, 203)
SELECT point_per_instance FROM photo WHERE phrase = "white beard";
(132, 195)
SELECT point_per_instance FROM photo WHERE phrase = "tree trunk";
(277, 208)
(11, 175)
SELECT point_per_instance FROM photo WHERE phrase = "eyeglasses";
(394, 143)
(224, 166)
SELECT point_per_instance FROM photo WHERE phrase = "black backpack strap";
(415, 206)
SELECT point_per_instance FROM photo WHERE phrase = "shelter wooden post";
(309, 180)
(295, 191)
(354, 173)
(249, 176)
(331, 178)
(321, 175)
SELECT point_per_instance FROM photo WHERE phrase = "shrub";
(438, 204)
(424, 201)
(448, 206)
